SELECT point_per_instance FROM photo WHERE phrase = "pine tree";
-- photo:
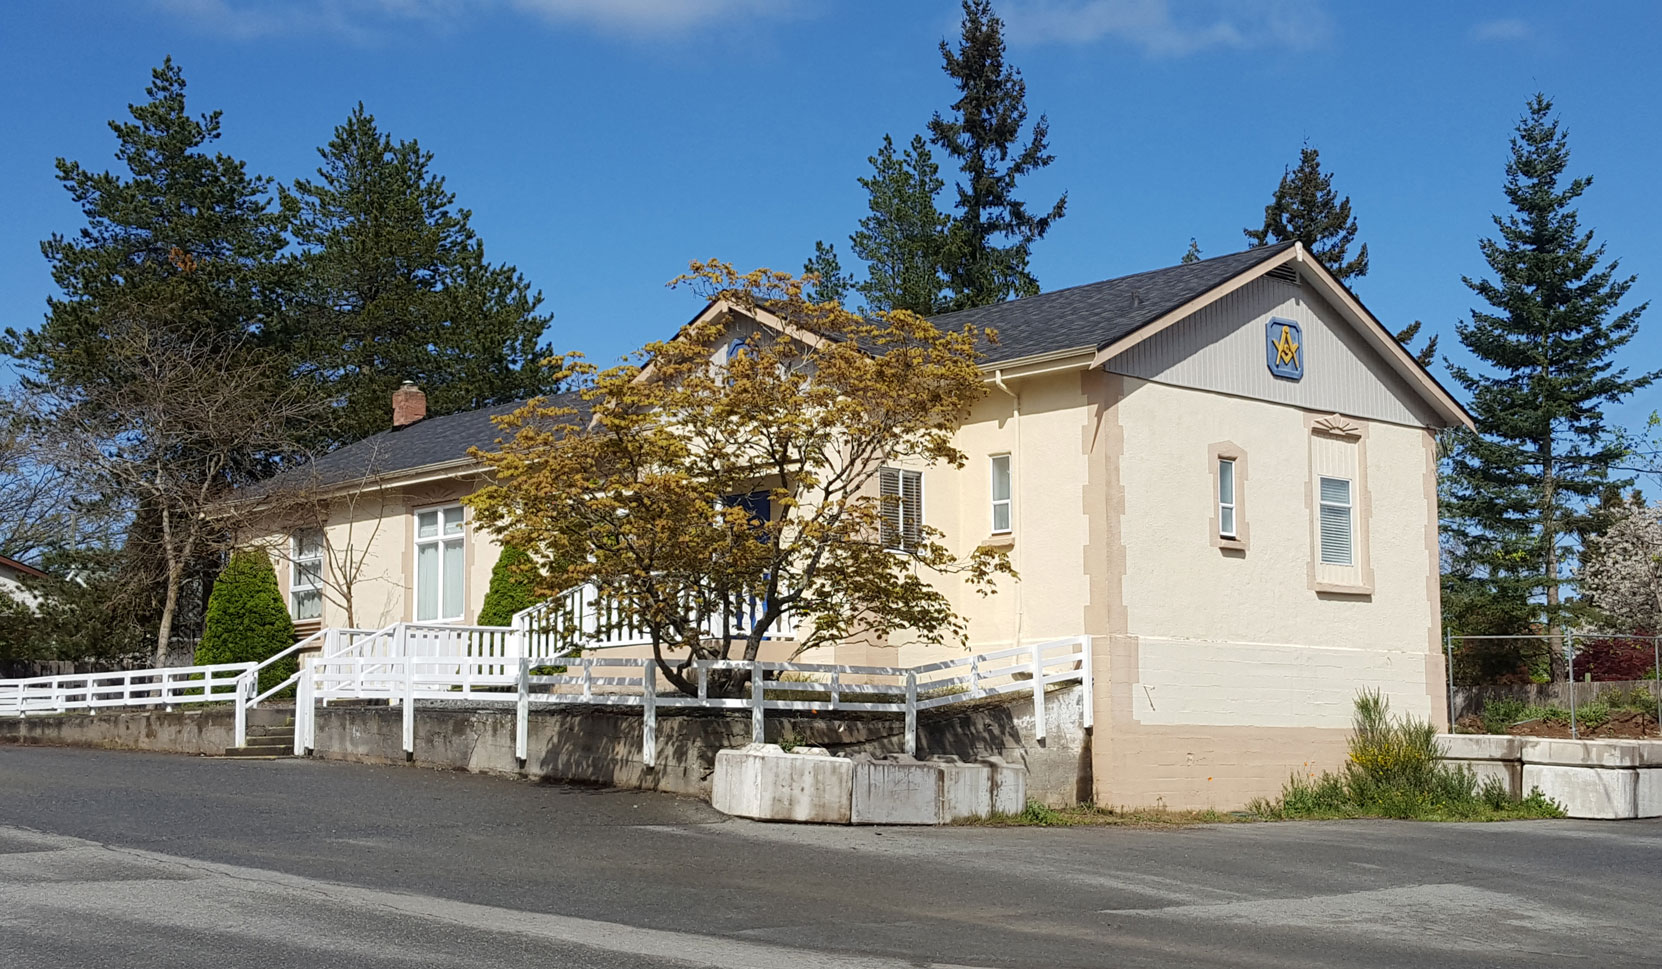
(1306, 208)
(1193, 252)
(182, 228)
(1521, 488)
(833, 283)
(393, 285)
(903, 239)
(246, 619)
(1426, 354)
(513, 587)
(993, 233)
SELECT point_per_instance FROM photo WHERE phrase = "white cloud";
(1162, 28)
(364, 20)
(1505, 29)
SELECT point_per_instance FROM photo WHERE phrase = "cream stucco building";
(1224, 472)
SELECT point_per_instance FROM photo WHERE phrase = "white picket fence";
(410, 677)
(584, 618)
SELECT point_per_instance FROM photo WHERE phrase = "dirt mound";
(1626, 725)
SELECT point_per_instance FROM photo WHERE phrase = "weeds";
(1502, 713)
(1396, 770)
(1037, 815)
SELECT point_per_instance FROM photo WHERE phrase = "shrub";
(1396, 770)
(1499, 714)
(246, 619)
(511, 588)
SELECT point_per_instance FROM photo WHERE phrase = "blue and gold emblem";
(1284, 348)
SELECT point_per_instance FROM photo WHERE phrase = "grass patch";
(1396, 771)
(1502, 713)
(1036, 815)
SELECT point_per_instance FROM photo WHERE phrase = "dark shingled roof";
(1096, 314)
(434, 440)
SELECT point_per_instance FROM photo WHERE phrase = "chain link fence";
(1580, 685)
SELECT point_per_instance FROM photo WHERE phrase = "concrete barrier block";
(1647, 794)
(966, 789)
(1509, 772)
(895, 790)
(1586, 792)
(765, 782)
(1009, 785)
(1480, 746)
(1582, 753)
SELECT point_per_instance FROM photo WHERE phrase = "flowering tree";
(740, 464)
(1622, 569)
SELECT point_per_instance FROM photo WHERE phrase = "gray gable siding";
(1221, 349)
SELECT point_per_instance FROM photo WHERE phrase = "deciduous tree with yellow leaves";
(736, 468)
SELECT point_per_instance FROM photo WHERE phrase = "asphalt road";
(111, 859)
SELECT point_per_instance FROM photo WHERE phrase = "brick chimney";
(409, 405)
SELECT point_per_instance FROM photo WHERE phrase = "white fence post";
(1088, 714)
(243, 694)
(758, 697)
(522, 710)
(911, 713)
(1038, 692)
(303, 713)
(649, 713)
(409, 708)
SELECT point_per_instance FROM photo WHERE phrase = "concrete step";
(286, 730)
(264, 747)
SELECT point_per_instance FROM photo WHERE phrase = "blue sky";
(603, 143)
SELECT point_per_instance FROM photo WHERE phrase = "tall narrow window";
(306, 574)
(1001, 493)
(440, 558)
(902, 493)
(1226, 498)
(1336, 531)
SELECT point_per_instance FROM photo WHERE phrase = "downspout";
(1015, 501)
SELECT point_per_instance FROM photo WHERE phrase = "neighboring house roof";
(432, 442)
(1096, 314)
(9, 565)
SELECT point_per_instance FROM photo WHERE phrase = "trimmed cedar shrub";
(246, 620)
(511, 588)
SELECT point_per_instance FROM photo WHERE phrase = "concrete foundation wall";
(207, 731)
(602, 746)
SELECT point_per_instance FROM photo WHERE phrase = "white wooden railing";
(584, 618)
(168, 687)
(610, 680)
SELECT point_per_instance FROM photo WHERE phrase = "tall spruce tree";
(903, 240)
(393, 285)
(1306, 208)
(994, 231)
(1522, 487)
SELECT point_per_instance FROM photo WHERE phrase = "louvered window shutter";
(912, 501)
(893, 513)
(1336, 522)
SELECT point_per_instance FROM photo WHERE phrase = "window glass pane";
(427, 524)
(308, 604)
(1001, 517)
(308, 544)
(452, 605)
(452, 521)
(1226, 481)
(1335, 525)
(1336, 490)
(1226, 520)
(308, 574)
(427, 582)
(1001, 478)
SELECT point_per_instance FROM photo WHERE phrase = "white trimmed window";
(1226, 499)
(1003, 502)
(440, 564)
(902, 493)
(306, 574)
(1336, 523)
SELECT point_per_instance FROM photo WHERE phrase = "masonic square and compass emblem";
(1284, 348)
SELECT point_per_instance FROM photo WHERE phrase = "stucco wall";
(379, 528)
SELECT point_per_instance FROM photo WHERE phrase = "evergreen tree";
(182, 229)
(1193, 253)
(903, 239)
(993, 232)
(393, 285)
(1426, 354)
(833, 284)
(1306, 208)
(1522, 487)
(513, 587)
(246, 619)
